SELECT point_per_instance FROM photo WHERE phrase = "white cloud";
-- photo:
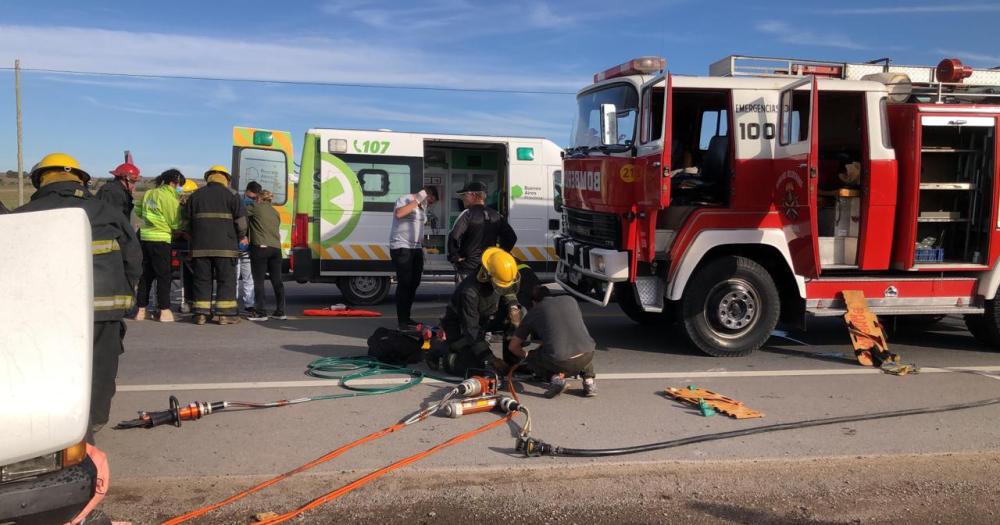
(314, 60)
(804, 37)
(912, 9)
(130, 108)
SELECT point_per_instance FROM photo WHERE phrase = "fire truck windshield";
(587, 128)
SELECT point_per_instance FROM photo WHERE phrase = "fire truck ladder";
(949, 82)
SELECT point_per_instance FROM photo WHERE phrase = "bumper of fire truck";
(590, 272)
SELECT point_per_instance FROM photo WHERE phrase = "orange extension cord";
(354, 484)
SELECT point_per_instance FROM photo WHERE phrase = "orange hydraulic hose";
(355, 484)
(327, 457)
(401, 463)
(384, 470)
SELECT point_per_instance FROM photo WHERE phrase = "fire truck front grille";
(601, 229)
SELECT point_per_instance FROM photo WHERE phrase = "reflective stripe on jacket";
(117, 258)
(217, 220)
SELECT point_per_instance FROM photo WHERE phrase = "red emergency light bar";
(636, 66)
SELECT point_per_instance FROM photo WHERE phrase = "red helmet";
(127, 171)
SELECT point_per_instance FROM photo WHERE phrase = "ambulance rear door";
(266, 156)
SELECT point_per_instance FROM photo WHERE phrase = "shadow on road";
(751, 516)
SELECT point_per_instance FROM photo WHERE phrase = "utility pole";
(20, 141)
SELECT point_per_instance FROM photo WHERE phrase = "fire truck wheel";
(977, 327)
(730, 307)
(364, 290)
(986, 327)
(630, 307)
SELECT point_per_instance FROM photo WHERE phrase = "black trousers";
(267, 260)
(108, 345)
(543, 364)
(409, 263)
(155, 267)
(220, 271)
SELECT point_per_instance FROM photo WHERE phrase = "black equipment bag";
(394, 347)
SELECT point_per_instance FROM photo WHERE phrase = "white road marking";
(259, 385)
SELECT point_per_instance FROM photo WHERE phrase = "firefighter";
(117, 262)
(471, 308)
(476, 229)
(217, 223)
(119, 191)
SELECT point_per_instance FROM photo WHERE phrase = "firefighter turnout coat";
(217, 220)
(117, 257)
(114, 193)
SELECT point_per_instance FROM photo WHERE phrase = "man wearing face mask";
(406, 249)
(244, 270)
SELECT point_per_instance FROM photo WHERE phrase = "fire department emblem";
(787, 193)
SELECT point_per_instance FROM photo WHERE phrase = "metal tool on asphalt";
(345, 370)
(700, 397)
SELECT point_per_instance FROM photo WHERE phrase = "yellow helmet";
(501, 267)
(218, 168)
(189, 186)
(57, 162)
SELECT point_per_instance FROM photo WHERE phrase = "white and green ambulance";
(350, 179)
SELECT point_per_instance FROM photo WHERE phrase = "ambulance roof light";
(636, 66)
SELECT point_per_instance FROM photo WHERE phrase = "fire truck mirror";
(609, 124)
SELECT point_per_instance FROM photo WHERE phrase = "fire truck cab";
(759, 193)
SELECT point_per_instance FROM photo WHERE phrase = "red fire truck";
(759, 193)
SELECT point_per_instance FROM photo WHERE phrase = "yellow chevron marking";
(360, 250)
(518, 253)
(536, 254)
(379, 252)
(552, 252)
(344, 254)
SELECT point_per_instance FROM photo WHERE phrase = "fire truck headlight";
(599, 263)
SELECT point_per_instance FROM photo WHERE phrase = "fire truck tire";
(630, 307)
(730, 307)
(364, 290)
(986, 327)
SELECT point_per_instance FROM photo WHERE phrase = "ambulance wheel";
(364, 290)
(976, 323)
(629, 305)
(730, 307)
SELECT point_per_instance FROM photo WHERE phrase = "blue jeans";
(244, 282)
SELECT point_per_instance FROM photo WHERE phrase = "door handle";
(803, 165)
(656, 164)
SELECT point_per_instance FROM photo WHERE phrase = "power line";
(294, 82)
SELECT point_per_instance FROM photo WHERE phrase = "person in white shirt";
(406, 249)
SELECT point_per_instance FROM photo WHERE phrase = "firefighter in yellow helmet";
(472, 308)
(117, 262)
(217, 224)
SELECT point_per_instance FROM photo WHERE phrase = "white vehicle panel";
(46, 318)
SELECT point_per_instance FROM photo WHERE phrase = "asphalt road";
(812, 375)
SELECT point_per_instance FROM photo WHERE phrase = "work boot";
(229, 319)
(140, 314)
(166, 316)
(557, 385)
(589, 387)
(200, 319)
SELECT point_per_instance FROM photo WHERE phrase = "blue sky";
(552, 46)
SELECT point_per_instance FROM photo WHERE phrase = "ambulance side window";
(384, 179)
